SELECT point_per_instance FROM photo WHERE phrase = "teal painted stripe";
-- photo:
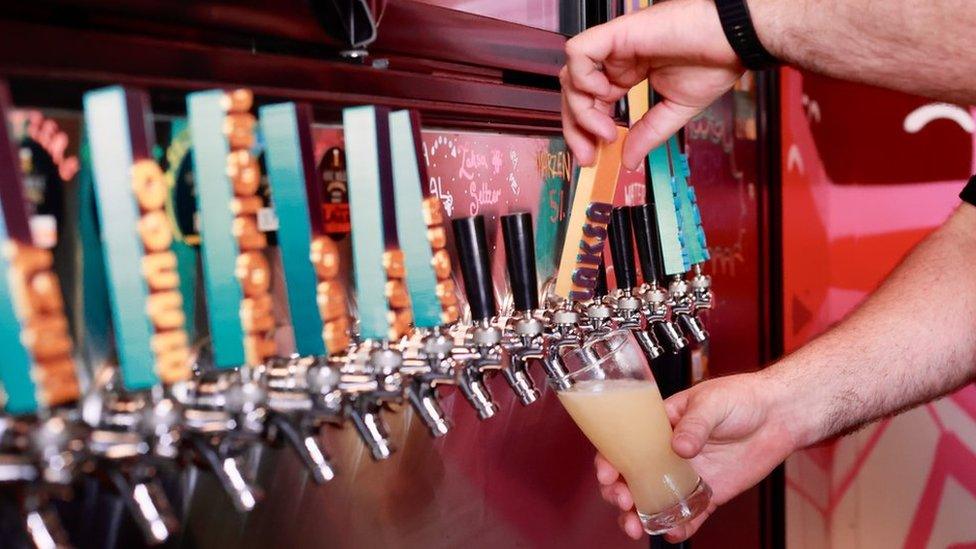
(366, 214)
(15, 369)
(286, 176)
(411, 229)
(659, 171)
(214, 194)
(686, 210)
(107, 125)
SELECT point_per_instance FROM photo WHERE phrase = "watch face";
(335, 193)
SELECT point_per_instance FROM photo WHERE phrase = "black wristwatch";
(738, 27)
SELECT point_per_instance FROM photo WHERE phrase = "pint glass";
(611, 395)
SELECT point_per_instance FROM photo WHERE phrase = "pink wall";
(868, 173)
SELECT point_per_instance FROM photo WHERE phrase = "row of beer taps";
(208, 417)
(128, 437)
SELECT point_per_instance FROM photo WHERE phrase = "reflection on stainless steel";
(683, 308)
(523, 479)
(159, 521)
(701, 290)
(224, 415)
(431, 368)
(563, 333)
(475, 364)
(627, 313)
(44, 529)
(376, 385)
(658, 317)
(147, 503)
(523, 342)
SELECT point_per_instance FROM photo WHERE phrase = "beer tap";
(300, 388)
(431, 368)
(562, 334)
(26, 468)
(682, 304)
(628, 308)
(41, 437)
(656, 310)
(371, 379)
(597, 315)
(225, 410)
(523, 338)
(582, 253)
(482, 354)
(134, 409)
(685, 301)
(428, 363)
(701, 290)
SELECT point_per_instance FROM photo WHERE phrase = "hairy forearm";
(911, 341)
(909, 45)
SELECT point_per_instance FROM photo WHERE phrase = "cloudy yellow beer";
(626, 421)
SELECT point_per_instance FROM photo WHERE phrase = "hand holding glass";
(611, 395)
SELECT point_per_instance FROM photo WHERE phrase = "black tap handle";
(645, 231)
(601, 289)
(472, 249)
(520, 256)
(622, 248)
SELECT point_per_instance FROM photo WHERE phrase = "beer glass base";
(690, 507)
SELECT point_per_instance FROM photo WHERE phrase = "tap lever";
(683, 307)
(43, 523)
(243, 495)
(520, 254)
(147, 503)
(307, 448)
(648, 248)
(484, 356)
(524, 334)
(371, 427)
(602, 288)
(622, 248)
(379, 384)
(431, 368)
(472, 247)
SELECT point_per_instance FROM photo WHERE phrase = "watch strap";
(741, 33)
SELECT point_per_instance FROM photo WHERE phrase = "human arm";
(911, 341)
(917, 47)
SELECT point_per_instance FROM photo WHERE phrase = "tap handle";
(520, 254)
(622, 248)
(601, 289)
(645, 231)
(472, 248)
